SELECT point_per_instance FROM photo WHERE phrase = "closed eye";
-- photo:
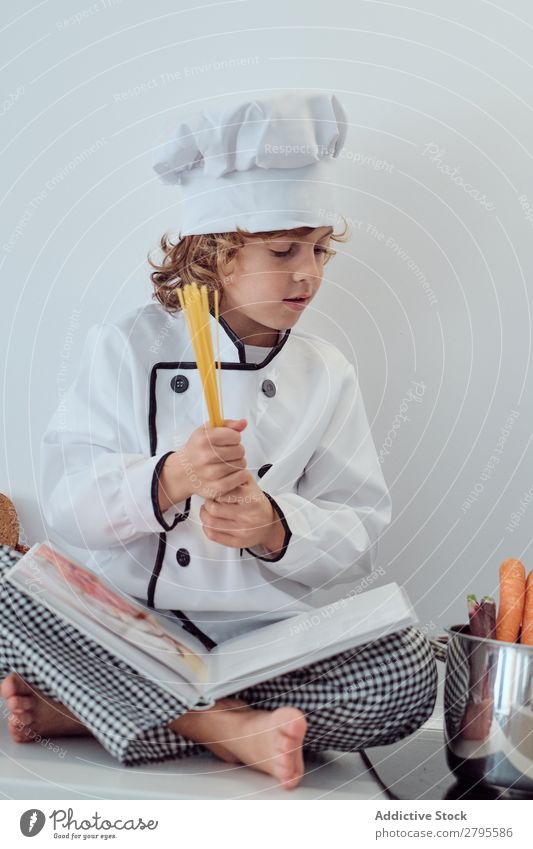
(318, 249)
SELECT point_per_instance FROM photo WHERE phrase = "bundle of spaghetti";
(194, 303)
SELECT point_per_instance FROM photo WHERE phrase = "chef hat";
(260, 164)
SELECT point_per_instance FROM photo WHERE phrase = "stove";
(416, 768)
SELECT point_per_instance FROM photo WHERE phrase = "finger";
(229, 453)
(221, 468)
(246, 491)
(224, 539)
(237, 498)
(232, 481)
(212, 509)
(218, 511)
(216, 526)
(223, 436)
(236, 424)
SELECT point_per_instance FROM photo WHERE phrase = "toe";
(290, 775)
(20, 704)
(14, 685)
(7, 687)
(19, 732)
(24, 718)
(293, 725)
(290, 782)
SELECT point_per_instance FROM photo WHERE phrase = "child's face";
(264, 274)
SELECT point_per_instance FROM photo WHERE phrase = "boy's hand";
(210, 464)
(242, 518)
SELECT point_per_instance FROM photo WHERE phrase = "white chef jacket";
(138, 396)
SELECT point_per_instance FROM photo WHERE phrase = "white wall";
(430, 296)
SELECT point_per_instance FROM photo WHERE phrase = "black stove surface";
(416, 768)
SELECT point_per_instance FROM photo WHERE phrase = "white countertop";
(87, 771)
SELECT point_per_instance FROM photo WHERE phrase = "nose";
(309, 264)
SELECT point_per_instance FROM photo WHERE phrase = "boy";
(227, 529)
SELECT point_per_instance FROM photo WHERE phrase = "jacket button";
(179, 383)
(183, 557)
(269, 388)
(263, 470)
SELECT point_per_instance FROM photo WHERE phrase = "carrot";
(526, 637)
(512, 596)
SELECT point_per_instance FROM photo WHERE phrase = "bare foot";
(33, 713)
(269, 741)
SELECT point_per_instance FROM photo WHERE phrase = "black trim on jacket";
(188, 625)
(239, 344)
(242, 365)
(157, 569)
(288, 532)
(186, 364)
(179, 517)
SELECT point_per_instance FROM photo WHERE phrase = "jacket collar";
(232, 348)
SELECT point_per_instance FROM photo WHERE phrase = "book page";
(315, 634)
(83, 598)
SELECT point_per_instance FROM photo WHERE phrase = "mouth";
(301, 301)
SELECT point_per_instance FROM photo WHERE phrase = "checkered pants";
(371, 695)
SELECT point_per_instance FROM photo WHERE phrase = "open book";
(157, 646)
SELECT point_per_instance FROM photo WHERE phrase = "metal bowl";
(488, 710)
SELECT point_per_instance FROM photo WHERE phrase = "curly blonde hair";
(202, 259)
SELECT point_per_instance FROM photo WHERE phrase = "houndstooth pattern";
(457, 686)
(374, 694)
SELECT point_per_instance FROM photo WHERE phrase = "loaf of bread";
(9, 525)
